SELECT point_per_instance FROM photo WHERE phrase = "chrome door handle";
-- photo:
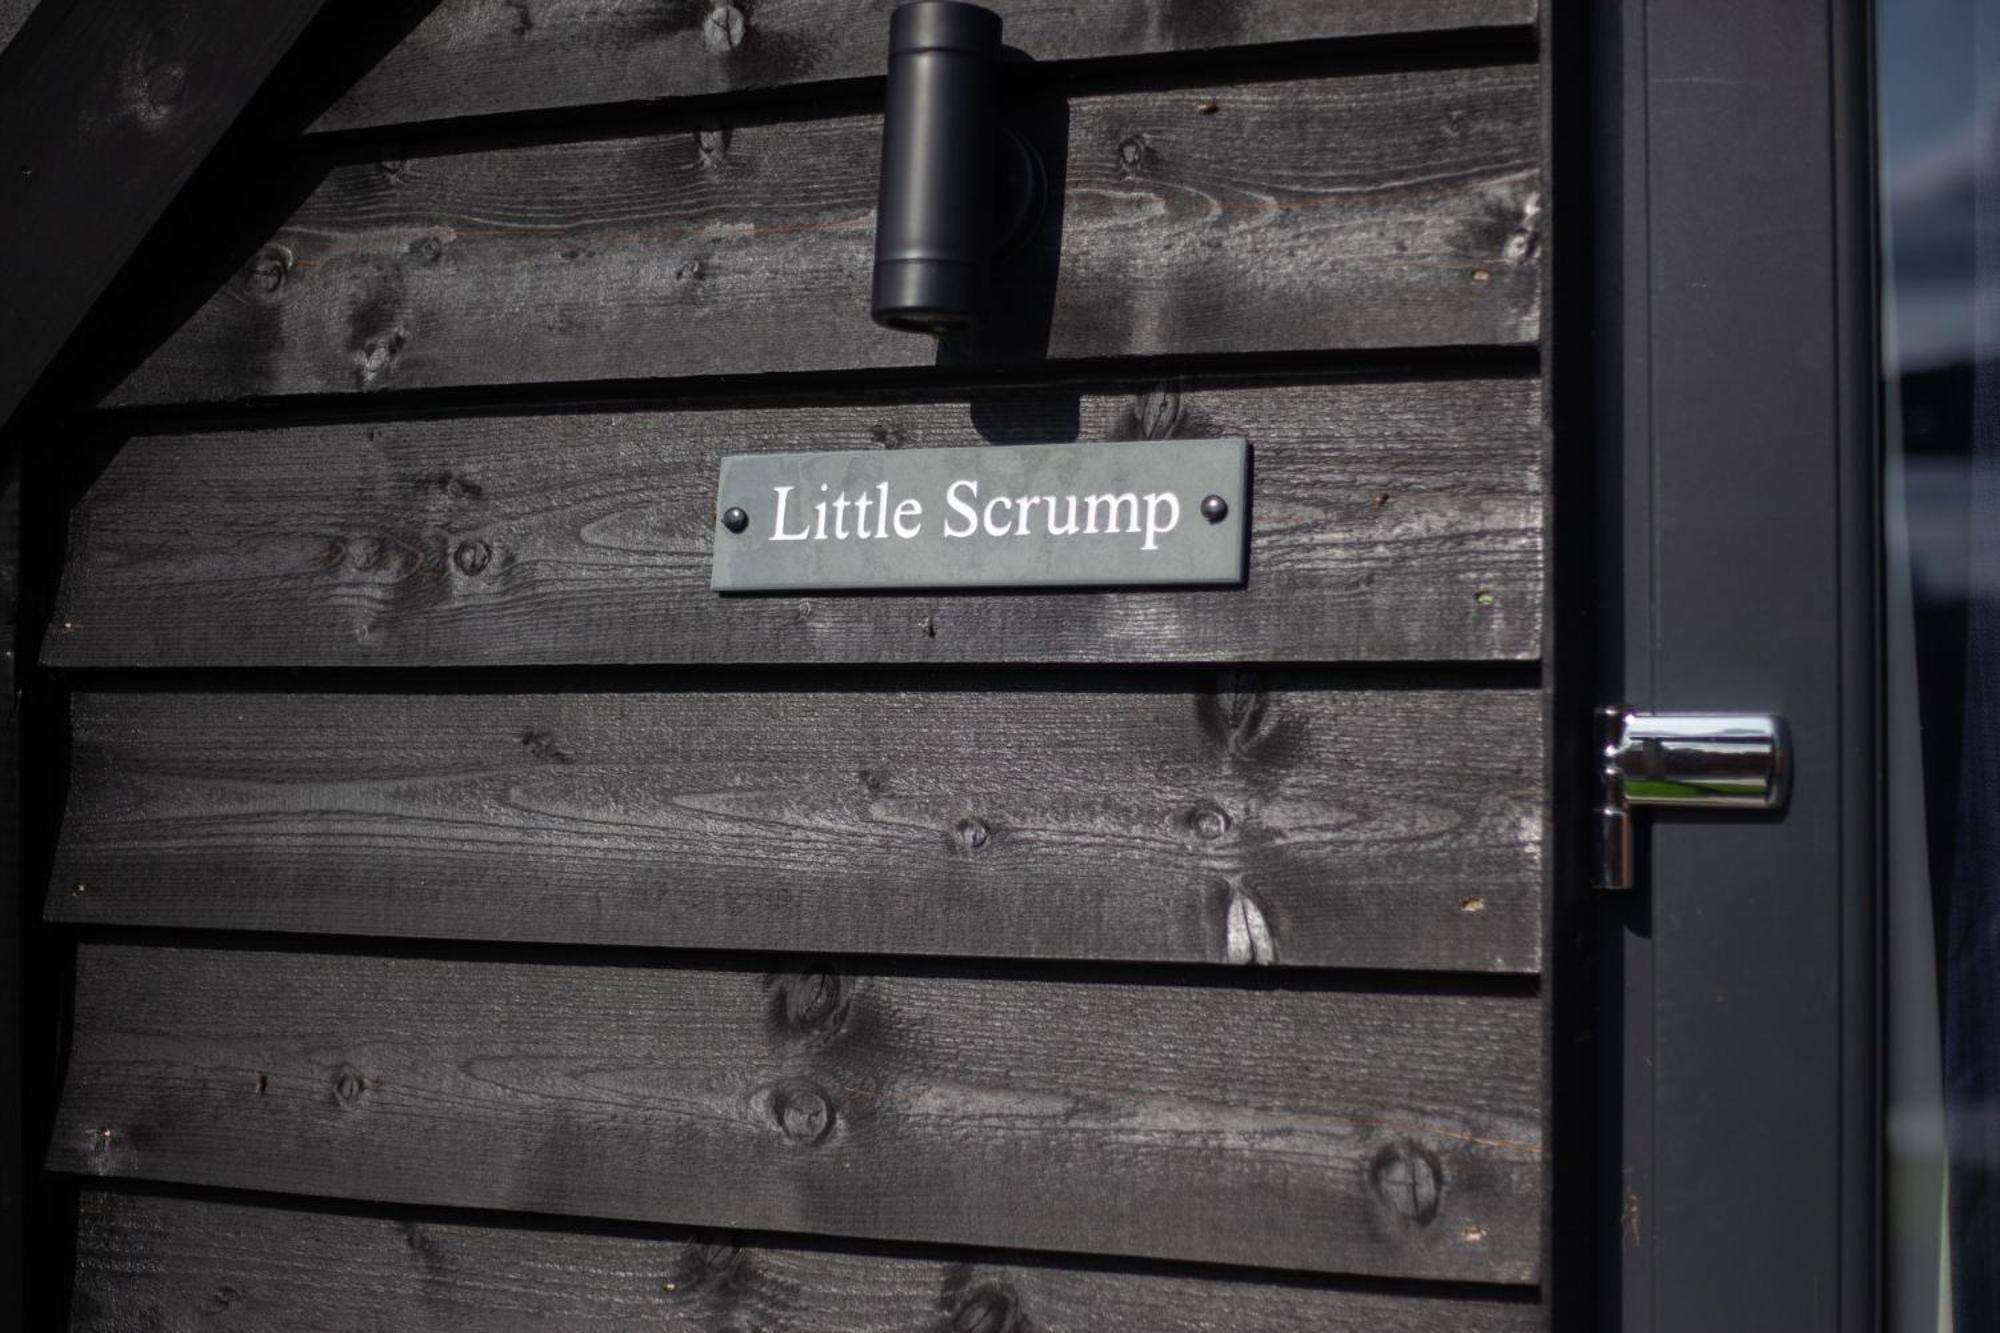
(1715, 761)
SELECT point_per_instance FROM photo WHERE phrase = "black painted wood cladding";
(145, 1262)
(1333, 1130)
(472, 58)
(1390, 521)
(1368, 211)
(1221, 819)
(106, 111)
(1110, 961)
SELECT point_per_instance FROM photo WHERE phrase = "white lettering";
(1153, 528)
(1026, 507)
(778, 533)
(1055, 531)
(1110, 504)
(999, 530)
(877, 511)
(961, 507)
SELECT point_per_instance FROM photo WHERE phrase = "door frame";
(1735, 423)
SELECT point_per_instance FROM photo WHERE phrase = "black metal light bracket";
(958, 188)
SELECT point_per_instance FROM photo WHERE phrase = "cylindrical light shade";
(932, 229)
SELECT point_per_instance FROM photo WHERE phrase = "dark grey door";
(1738, 495)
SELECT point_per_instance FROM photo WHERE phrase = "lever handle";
(1729, 761)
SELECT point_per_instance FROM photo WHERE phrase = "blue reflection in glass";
(1938, 129)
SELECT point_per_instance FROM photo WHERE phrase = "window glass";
(1938, 132)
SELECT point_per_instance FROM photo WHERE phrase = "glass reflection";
(1938, 131)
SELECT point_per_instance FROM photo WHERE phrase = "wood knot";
(453, 486)
(153, 79)
(1136, 155)
(1156, 413)
(106, 1151)
(801, 1112)
(419, 1241)
(1407, 1179)
(375, 356)
(712, 144)
(1526, 238)
(219, 1300)
(1204, 820)
(724, 28)
(386, 560)
(541, 743)
(971, 834)
(1246, 934)
(813, 1002)
(427, 248)
(988, 1308)
(348, 1085)
(710, 1267)
(472, 556)
(1234, 711)
(268, 269)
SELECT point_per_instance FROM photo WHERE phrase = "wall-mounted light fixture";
(957, 187)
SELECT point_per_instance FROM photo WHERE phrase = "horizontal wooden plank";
(145, 1262)
(1389, 521)
(473, 58)
(1233, 821)
(1378, 210)
(1339, 1131)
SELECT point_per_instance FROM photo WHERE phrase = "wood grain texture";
(169, 1263)
(1375, 210)
(1232, 820)
(1390, 1133)
(107, 107)
(15, 1041)
(474, 57)
(1389, 521)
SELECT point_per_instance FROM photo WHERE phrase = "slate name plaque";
(998, 516)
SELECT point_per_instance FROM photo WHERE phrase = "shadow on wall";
(214, 234)
(1020, 309)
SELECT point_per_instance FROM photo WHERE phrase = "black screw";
(1215, 509)
(735, 519)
